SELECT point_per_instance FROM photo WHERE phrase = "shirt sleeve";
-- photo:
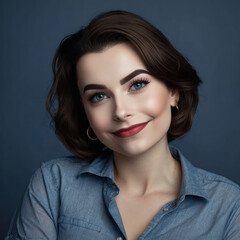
(36, 217)
(233, 227)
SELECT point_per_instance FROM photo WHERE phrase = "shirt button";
(113, 186)
(165, 209)
(119, 238)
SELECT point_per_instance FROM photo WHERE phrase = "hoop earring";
(177, 107)
(93, 139)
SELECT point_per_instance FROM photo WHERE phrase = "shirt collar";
(101, 166)
(192, 180)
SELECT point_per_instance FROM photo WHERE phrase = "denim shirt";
(71, 199)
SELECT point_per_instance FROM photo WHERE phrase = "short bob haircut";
(161, 59)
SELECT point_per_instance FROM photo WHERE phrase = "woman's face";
(113, 102)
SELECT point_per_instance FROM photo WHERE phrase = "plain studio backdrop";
(206, 32)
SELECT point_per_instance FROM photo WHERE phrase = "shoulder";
(211, 184)
(54, 173)
(223, 205)
(210, 178)
(69, 164)
(218, 185)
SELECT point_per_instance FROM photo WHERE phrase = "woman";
(123, 94)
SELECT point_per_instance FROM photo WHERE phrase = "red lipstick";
(130, 131)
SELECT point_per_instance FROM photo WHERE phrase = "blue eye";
(98, 97)
(138, 84)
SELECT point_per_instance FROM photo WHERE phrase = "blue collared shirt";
(70, 199)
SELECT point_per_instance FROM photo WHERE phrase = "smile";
(133, 130)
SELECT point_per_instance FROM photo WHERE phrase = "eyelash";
(141, 80)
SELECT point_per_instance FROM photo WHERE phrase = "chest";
(91, 214)
(138, 212)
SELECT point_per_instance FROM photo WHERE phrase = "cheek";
(98, 118)
(156, 105)
(159, 109)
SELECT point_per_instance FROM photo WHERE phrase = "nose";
(122, 109)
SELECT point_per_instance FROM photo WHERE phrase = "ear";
(174, 97)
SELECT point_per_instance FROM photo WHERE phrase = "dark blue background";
(207, 33)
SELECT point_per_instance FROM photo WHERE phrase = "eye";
(138, 84)
(98, 97)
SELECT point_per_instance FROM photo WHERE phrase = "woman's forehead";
(114, 62)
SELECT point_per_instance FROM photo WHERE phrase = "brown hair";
(161, 59)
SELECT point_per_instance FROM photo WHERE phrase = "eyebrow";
(123, 81)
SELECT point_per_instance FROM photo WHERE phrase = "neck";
(153, 170)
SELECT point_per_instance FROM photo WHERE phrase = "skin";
(143, 164)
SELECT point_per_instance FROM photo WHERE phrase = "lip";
(132, 130)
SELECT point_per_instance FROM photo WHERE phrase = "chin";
(132, 148)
